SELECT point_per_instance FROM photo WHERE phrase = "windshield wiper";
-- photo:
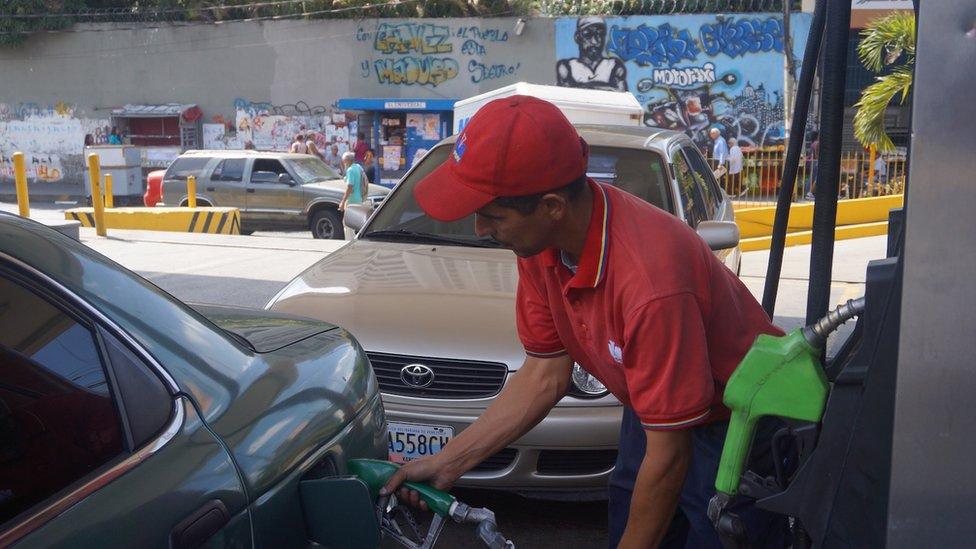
(403, 234)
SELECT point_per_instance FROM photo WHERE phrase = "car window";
(639, 172)
(688, 188)
(313, 169)
(706, 180)
(186, 165)
(230, 169)
(267, 170)
(58, 421)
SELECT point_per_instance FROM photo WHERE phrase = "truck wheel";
(326, 224)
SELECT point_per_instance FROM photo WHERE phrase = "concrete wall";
(58, 87)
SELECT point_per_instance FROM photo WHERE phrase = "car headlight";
(585, 385)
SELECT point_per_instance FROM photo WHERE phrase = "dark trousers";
(690, 527)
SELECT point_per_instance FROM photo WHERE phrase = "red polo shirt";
(650, 312)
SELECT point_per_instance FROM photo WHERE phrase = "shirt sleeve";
(666, 364)
(533, 318)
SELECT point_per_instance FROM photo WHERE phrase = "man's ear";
(554, 205)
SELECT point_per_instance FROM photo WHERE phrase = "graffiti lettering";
(416, 70)
(682, 77)
(481, 72)
(652, 46)
(485, 35)
(736, 38)
(363, 35)
(411, 37)
(470, 47)
(300, 108)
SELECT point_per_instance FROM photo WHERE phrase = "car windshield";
(638, 171)
(313, 169)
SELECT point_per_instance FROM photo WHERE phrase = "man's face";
(526, 235)
(591, 40)
(713, 134)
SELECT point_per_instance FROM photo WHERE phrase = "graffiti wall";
(273, 127)
(690, 72)
(51, 138)
(431, 54)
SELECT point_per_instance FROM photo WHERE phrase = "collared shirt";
(720, 150)
(650, 312)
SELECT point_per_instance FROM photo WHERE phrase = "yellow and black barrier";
(856, 218)
(184, 220)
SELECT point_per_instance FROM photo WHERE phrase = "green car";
(129, 419)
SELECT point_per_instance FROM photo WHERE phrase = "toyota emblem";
(417, 375)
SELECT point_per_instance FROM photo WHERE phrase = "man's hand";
(426, 469)
(525, 400)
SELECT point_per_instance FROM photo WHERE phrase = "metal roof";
(152, 111)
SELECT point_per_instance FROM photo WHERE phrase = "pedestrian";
(89, 140)
(369, 165)
(334, 159)
(880, 174)
(298, 146)
(662, 326)
(356, 186)
(720, 150)
(312, 148)
(813, 155)
(113, 137)
(361, 147)
(735, 167)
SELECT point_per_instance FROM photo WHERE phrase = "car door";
(716, 205)
(226, 183)
(268, 202)
(97, 449)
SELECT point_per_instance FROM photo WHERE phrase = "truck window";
(186, 165)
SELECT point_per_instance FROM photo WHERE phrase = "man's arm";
(525, 400)
(656, 490)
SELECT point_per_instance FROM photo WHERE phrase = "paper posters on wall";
(213, 136)
(391, 157)
(415, 121)
(432, 123)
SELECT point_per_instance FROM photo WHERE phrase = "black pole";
(797, 130)
(836, 34)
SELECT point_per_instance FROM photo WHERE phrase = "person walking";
(361, 147)
(298, 145)
(735, 168)
(356, 185)
(720, 149)
(662, 326)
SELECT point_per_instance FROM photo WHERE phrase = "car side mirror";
(719, 235)
(355, 216)
(286, 179)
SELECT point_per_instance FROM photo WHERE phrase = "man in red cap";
(624, 289)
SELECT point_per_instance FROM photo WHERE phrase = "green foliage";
(883, 42)
(14, 31)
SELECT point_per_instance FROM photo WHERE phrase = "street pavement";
(249, 270)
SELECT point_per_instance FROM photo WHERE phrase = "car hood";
(418, 300)
(339, 185)
(264, 331)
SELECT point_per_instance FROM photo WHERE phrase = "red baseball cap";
(513, 146)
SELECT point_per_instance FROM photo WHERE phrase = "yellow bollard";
(95, 175)
(20, 178)
(109, 199)
(191, 191)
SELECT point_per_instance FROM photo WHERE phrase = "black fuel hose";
(836, 33)
(801, 108)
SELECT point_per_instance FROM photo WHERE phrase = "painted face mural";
(689, 72)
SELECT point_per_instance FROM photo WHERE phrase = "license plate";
(409, 441)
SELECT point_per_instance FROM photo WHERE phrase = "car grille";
(575, 462)
(498, 461)
(452, 378)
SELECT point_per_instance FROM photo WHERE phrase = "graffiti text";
(416, 70)
(737, 38)
(424, 38)
(481, 72)
(652, 45)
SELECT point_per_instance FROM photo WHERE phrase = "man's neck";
(571, 237)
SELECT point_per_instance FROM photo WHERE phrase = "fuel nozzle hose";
(816, 333)
(487, 527)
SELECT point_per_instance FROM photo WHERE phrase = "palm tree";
(883, 42)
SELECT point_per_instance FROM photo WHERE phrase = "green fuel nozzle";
(375, 474)
(779, 376)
